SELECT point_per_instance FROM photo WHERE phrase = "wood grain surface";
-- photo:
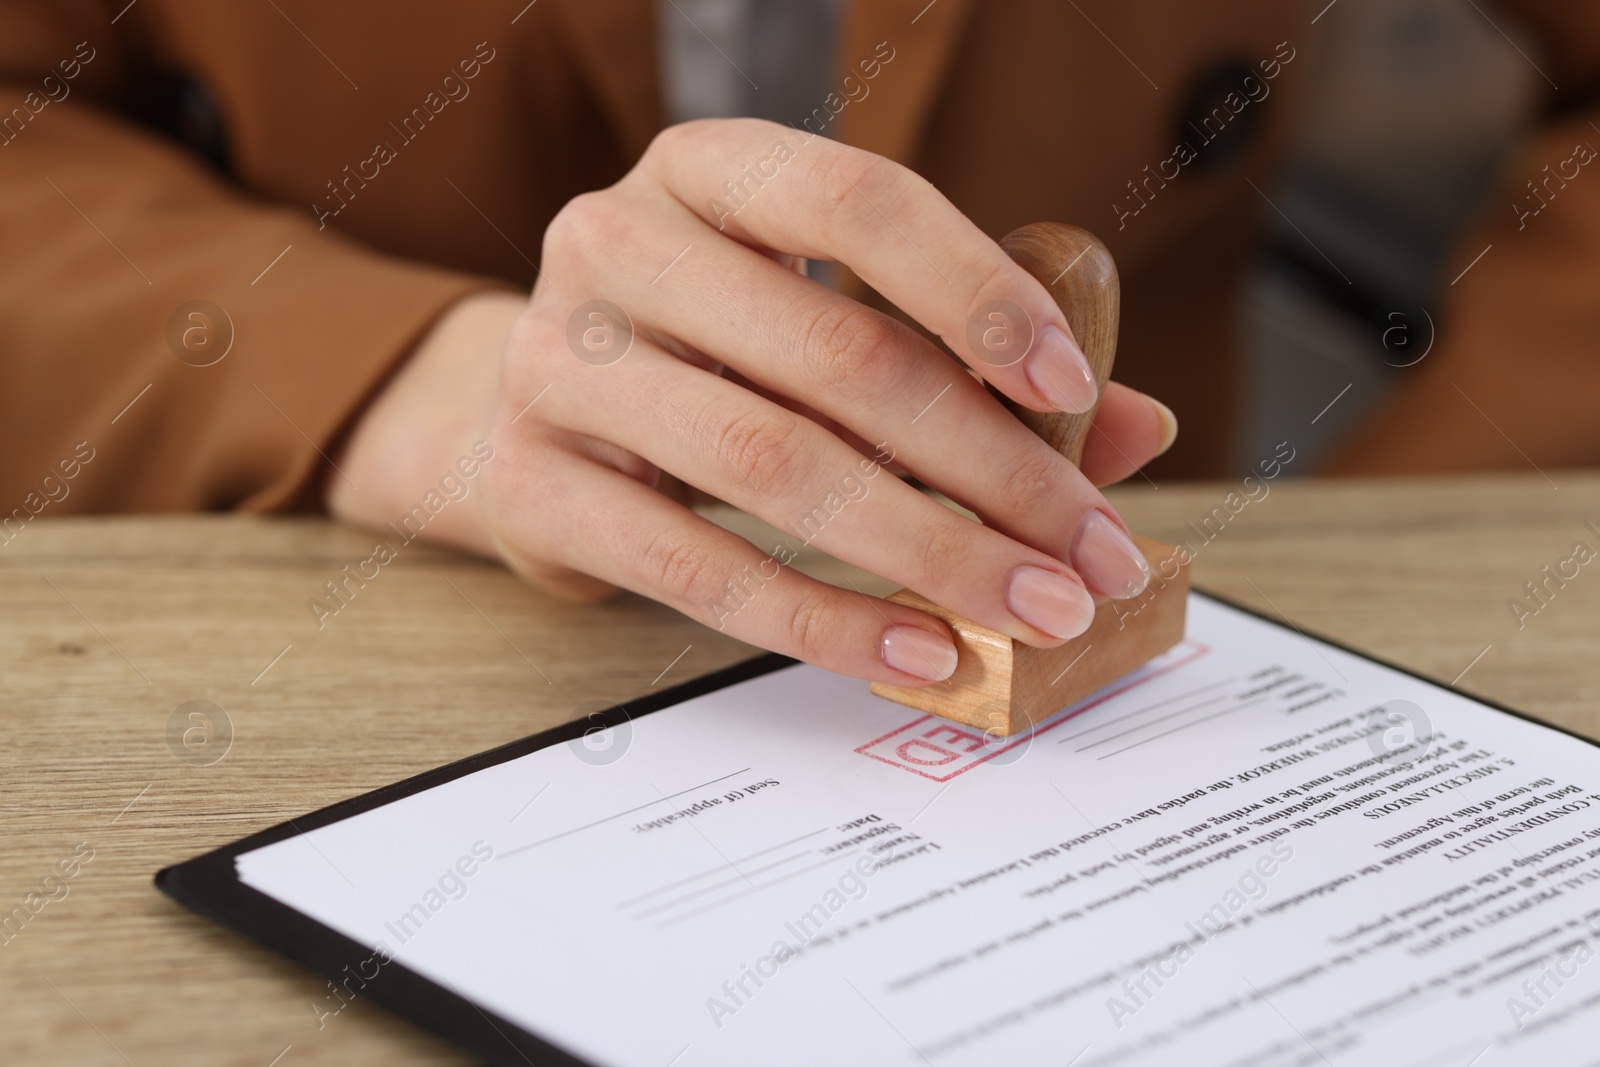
(1080, 275)
(109, 625)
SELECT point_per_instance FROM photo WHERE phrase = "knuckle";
(811, 620)
(852, 347)
(535, 352)
(532, 332)
(681, 569)
(765, 449)
(577, 227)
(698, 136)
(944, 548)
(851, 178)
(1035, 479)
(668, 141)
(674, 140)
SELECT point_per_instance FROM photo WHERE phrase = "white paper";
(1258, 850)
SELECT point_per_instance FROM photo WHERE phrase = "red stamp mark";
(940, 749)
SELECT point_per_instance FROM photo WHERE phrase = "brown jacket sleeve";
(1514, 375)
(106, 232)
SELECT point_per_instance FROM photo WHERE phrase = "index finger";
(783, 189)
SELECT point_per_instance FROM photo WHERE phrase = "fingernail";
(919, 652)
(1107, 559)
(1049, 602)
(1169, 425)
(1057, 368)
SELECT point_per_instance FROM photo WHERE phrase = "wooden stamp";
(1001, 685)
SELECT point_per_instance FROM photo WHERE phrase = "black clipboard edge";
(210, 886)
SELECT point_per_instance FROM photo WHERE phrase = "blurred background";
(213, 173)
(1409, 109)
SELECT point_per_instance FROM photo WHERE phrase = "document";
(1259, 851)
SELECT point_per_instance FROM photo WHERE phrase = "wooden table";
(109, 625)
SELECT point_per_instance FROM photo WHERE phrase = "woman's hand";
(670, 332)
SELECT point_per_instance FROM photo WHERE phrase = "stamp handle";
(1078, 270)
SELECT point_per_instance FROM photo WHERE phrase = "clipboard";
(210, 886)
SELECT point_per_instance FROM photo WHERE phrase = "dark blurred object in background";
(1410, 108)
